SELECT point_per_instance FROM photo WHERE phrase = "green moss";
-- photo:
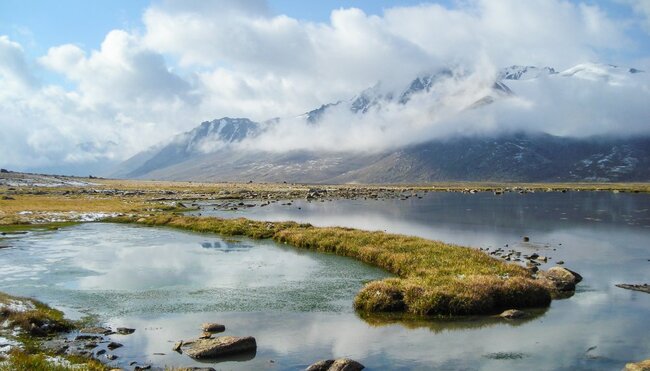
(433, 278)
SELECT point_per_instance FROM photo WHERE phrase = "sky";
(84, 85)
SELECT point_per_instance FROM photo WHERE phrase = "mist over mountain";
(448, 125)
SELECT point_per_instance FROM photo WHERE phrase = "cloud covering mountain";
(195, 60)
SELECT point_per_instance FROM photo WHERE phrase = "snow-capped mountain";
(525, 72)
(211, 152)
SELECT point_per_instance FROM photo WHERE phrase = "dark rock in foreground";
(220, 346)
(341, 364)
(643, 288)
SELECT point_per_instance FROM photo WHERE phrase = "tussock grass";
(432, 278)
(39, 321)
(23, 361)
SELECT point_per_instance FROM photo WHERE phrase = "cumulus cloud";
(200, 60)
(587, 100)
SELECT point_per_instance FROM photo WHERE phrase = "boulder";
(513, 314)
(563, 279)
(213, 327)
(639, 366)
(345, 364)
(113, 345)
(323, 365)
(341, 364)
(220, 346)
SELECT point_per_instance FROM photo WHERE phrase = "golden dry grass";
(433, 278)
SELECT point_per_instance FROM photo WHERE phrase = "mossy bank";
(432, 278)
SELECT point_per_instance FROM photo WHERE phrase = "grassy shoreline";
(433, 278)
(28, 322)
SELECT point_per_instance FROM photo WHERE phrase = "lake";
(298, 304)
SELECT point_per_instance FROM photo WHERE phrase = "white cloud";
(198, 60)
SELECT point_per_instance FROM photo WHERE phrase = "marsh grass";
(37, 321)
(432, 278)
(38, 315)
(23, 361)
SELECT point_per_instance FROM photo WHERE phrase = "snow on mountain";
(524, 72)
(600, 72)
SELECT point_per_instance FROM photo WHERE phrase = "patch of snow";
(18, 306)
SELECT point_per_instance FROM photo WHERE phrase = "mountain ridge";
(210, 151)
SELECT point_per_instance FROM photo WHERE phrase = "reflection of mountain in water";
(225, 247)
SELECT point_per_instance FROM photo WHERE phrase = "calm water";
(298, 304)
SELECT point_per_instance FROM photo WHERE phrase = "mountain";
(213, 150)
(203, 139)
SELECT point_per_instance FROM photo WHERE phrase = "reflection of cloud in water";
(163, 265)
(297, 339)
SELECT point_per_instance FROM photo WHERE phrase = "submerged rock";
(513, 314)
(341, 364)
(220, 346)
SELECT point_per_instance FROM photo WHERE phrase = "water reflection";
(130, 269)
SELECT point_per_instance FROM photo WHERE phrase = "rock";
(111, 357)
(643, 288)
(125, 330)
(113, 345)
(563, 279)
(4, 171)
(526, 238)
(345, 364)
(8, 198)
(513, 314)
(143, 367)
(205, 335)
(96, 330)
(323, 365)
(639, 366)
(560, 262)
(221, 346)
(196, 369)
(87, 337)
(213, 327)
(341, 364)
(177, 346)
